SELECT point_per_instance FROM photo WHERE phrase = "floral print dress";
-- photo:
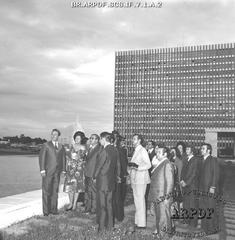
(74, 178)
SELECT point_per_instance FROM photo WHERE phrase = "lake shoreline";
(7, 152)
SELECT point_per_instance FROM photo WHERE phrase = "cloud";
(57, 62)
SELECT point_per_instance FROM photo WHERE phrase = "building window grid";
(201, 78)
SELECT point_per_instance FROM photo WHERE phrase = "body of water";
(19, 174)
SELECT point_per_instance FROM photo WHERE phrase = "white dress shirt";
(140, 175)
(190, 157)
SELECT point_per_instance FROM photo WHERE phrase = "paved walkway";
(22, 206)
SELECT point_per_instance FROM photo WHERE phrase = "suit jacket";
(189, 173)
(107, 169)
(123, 162)
(91, 161)
(209, 174)
(179, 164)
(162, 181)
(52, 160)
(151, 155)
(141, 174)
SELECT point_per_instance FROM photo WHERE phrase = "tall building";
(176, 94)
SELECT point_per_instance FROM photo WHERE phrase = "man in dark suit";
(160, 194)
(52, 162)
(106, 173)
(120, 191)
(150, 148)
(189, 183)
(208, 186)
(92, 156)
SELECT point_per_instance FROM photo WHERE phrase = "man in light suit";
(52, 162)
(161, 189)
(106, 173)
(139, 177)
(92, 156)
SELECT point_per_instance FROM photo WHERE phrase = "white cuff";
(43, 171)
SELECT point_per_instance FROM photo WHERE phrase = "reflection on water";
(18, 174)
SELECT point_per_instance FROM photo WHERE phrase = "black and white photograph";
(117, 120)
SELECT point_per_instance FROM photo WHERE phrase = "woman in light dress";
(74, 178)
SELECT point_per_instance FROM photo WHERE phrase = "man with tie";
(120, 191)
(160, 194)
(208, 186)
(189, 183)
(91, 161)
(150, 147)
(139, 177)
(52, 162)
(107, 172)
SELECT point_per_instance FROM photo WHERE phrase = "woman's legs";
(71, 197)
(75, 199)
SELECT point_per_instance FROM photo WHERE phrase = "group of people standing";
(184, 187)
(96, 167)
(168, 183)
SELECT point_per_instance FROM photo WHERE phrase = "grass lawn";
(73, 225)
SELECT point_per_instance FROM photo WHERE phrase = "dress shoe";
(140, 228)
(54, 213)
(68, 209)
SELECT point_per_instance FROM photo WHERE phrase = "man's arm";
(215, 176)
(42, 160)
(64, 160)
(145, 163)
(123, 161)
(118, 166)
(169, 178)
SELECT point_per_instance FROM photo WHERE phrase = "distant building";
(4, 142)
(175, 94)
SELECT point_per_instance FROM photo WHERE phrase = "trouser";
(146, 196)
(163, 217)
(118, 201)
(190, 204)
(140, 205)
(209, 222)
(104, 210)
(90, 195)
(50, 188)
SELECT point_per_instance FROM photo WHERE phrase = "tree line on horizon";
(24, 139)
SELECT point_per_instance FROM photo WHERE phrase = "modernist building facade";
(173, 94)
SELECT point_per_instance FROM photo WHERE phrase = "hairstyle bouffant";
(82, 135)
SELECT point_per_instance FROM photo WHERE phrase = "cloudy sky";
(57, 62)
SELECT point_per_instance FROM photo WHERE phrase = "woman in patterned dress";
(74, 179)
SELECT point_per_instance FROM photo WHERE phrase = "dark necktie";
(56, 147)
